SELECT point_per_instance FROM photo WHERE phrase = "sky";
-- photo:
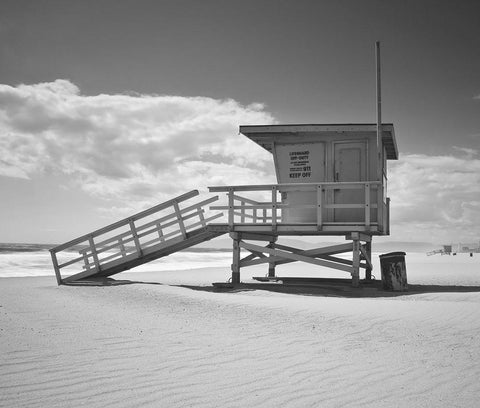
(109, 107)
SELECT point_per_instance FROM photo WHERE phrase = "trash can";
(394, 271)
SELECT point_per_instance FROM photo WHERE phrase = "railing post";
(94, 252)
(86, 261)
(242, 212)
(319, 206)
(254, 215)
(274, 208)
(122, 247)
(356, 260)
(380, 216)
(135, 237)
(230, 208)
(201, 217)
(367, 206)
(53, 254)
(180, 220)
(387, 216)
(160, 232)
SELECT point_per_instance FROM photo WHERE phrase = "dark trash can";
(394, 271)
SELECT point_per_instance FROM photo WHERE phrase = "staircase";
(151, 234)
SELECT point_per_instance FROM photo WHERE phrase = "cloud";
(138, 150)
(128, 147)
(436, 198)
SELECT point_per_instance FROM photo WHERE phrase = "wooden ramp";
(151, 234)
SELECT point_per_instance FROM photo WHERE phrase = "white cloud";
(128, 147)
(436, 198)
(139, 150)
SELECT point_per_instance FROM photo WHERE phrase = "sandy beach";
(169, 340)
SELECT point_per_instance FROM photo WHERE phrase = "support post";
(356, 261)
(56, 268)
(368, 270)
(236, 260)
(271, 265)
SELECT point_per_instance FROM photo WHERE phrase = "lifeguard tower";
(332, 180)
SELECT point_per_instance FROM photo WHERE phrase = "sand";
(146, 341)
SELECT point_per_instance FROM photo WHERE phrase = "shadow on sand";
(312, 287)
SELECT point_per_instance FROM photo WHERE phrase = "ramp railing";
(133, 237)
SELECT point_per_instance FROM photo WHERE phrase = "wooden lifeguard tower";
(332, 180)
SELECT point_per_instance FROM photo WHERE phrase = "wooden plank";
(255, 237)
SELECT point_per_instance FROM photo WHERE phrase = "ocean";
(18, 260)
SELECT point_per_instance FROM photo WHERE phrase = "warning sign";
(301, 163)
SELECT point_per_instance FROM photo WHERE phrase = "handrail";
(239, 205)
(292, 186)
(126, 221)
(166, 224)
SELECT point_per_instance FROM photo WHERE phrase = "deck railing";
(152, 229)
(271, 209)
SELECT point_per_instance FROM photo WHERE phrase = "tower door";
(350, 165)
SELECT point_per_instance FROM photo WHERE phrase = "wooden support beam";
(277, 254)
(358, 236)
(356, 264)
(317, 252)
(367, 254)
(257, 237)
(236, 261)
(271, 264)
(56, 268)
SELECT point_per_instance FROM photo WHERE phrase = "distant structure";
(454, 249)
(332, 181)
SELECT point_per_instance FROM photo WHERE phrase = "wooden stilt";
(368, 270)
(236, 261)
(356, 262)
(271, 265)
